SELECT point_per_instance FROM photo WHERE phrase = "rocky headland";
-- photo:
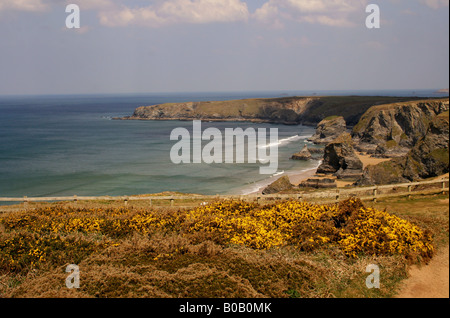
(283, 110)
(413, 136)
(429, 157)
(392, 130)
(410, 133)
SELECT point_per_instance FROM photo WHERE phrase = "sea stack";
(281, 184)
(304, 154)
(340, 159)
(328, 129)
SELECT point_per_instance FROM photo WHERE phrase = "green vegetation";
(391, 144)
(332, 117)
(440, 155)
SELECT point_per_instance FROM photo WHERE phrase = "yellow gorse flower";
(348, 226)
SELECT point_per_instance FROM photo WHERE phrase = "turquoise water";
(68, 145)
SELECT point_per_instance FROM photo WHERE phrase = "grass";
(171, 261)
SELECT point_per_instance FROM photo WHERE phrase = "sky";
(221, 45)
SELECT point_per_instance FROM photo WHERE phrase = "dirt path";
(430, 281)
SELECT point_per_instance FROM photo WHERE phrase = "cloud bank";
(334, 13)
(23, 5)
(160, 13)
(176, 12)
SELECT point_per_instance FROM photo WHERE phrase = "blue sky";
(221, 45)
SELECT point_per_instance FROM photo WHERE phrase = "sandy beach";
(296, 177)
(367, 160)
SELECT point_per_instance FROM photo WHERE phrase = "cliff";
(340, 159)
(429, 157)
(286, 110)
(391, 130)
(328, 129)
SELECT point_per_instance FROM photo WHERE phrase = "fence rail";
(332, 195)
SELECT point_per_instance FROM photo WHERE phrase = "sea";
(64, 145)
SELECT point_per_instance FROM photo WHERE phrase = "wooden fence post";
(172, 202)
(375, 195)
(25, 201)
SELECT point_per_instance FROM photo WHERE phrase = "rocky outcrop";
(317, 183)
(328, 129)
(304, 154)
(316, 153)
(341, 159)
(392, 130)
(428, 158)
(281, 184)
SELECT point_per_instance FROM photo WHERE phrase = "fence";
(324, 196)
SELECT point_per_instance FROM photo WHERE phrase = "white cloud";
(177, 11)
(335, 13)
(328, 20)
(322, 5)
(435, 4)
(92, 4)
(22, 5)
(270, 15)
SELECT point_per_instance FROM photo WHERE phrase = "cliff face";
(428, 158)
(286, 110)
(328, 129)
(340, 159)
(392, 130)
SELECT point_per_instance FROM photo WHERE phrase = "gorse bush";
(352, 227)
(57, 235)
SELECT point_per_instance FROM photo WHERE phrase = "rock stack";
(281, 184)
(304, 154)
(328, 129)
(341, 160)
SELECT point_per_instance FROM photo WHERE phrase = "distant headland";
(283, 110)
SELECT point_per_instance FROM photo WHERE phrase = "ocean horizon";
(58, 145)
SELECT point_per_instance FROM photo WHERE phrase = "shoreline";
(295, 176)
(298, 176)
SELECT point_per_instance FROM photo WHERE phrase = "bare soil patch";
(428, 281)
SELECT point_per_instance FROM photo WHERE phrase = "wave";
(256, 187)
(284, 141)
(278, 173)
